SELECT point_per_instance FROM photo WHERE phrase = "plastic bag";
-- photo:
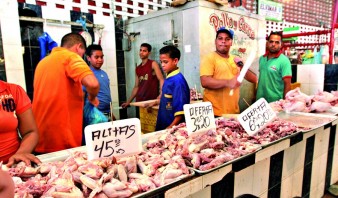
(91, 115)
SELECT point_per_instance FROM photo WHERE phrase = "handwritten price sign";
(199, 117)
(118, 138)
(256, 117)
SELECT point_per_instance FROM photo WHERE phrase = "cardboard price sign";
(117, 138)
(199, 117)
(256, 117)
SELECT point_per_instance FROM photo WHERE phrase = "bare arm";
(6, 185)
(176, 121)
(251, 77)
(159, 76)
(133, 93)
(287, 85)
(30, 137)
(92, 87)
(211, 83)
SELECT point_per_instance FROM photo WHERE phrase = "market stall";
(303, 163)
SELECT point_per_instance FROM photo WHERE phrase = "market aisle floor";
(329, 195)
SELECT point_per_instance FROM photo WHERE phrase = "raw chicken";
(319, 106)
(298, 106)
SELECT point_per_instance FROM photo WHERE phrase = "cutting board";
(142, 103)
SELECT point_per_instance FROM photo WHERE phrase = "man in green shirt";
(274, 71)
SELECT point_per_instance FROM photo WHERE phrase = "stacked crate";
(148, 119)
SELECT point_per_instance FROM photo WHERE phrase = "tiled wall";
(10, 30)
(316, 77)
(15, 39)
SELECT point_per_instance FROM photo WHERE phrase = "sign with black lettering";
(256, 117)
(117, 138)
(199, 117)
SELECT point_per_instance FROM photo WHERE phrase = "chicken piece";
(146, 169)
(170, 173)
(177, 159)
(111, 172)
(117, 185)
(46, 167)
(196, 147)
(101, 195)
(217, 161)
(104, 162)
(132, 186)
(108, 190)
(296, 106)
(297, 95)
(74, 193)
(91, 170)
(137, 176)
(167, 154)
(131, 164)
(65, 183)
(119, 194)
(121, 171)
(89, 182)
(22, 170)
(320, 106)
(76, 176)
(145, 184)
(195, 160)
(323, 96)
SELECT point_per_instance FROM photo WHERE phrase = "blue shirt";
(104, 93)
(175, 94)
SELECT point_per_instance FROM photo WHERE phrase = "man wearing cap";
(218, 74)
(274, 71)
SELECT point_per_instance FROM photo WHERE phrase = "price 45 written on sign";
(113, 138)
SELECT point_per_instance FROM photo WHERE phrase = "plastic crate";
(148, 119)
(295, 85)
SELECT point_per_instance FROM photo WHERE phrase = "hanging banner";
(271, 10)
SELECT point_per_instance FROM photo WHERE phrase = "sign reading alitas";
(272, 11)
(118, 138)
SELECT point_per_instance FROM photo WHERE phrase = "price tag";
(199, 117)
(256, 117)
(118, 138)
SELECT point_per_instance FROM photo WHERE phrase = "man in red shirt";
(148, 78)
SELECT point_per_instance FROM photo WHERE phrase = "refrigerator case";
(192, 28)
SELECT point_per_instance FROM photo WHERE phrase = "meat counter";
(301, 164)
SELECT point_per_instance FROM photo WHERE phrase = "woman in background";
(18, 131)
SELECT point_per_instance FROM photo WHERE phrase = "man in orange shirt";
(58, 97)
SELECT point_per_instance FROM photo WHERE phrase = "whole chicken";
(318, 106)
(324, 96)
(297, 95)
(298, 106)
